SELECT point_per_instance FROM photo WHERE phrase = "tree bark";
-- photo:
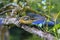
(45, 35)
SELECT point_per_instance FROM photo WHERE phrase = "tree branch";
(32, 30)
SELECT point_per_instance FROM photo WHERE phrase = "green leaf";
(57, 26)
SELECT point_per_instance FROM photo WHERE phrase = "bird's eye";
(26, 18)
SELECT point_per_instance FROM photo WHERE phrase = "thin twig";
(5, 11)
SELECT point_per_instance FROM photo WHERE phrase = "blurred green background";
(43, 6)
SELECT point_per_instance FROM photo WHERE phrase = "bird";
(36, 19)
